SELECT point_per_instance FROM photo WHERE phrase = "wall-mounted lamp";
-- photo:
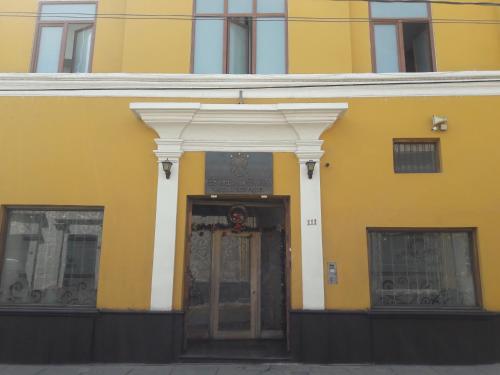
(310, 168)
(439, 123)
(167, 168)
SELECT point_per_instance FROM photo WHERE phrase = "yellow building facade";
(325, 187)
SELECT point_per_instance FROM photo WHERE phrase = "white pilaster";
(313, 293)
(162, 282)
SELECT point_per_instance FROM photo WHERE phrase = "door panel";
(235, 285)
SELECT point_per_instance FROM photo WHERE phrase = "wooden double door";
(235, 285)
(236, 276)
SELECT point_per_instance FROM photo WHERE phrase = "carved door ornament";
(237, 216)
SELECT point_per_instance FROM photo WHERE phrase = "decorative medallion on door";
(236, 272)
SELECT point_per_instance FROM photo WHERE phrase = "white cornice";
(294, 127)
(291, 86)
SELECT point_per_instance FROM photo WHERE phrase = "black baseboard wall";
(395, 337)
(74, 336)
(57, 337)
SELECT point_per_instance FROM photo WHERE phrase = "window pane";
(83, 42)
(68, 12)
(239, 46)
(398, 10)
(51, 257)
(417, 47)
(49, 49)
(416, 157)
(208, 48)
(78, 43)
(422, 269)
(271, 6)
(386, 49)
(271, 46)
(240, 6)
(209, 6)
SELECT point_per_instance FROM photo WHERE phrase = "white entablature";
(294, 127)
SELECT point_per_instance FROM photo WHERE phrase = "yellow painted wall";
(69, 151)
(470, 46)
(94, 151)
(153, 46)
(17, 36)
(319, 47)
(110, 38)
(360, 189)
(164, 46)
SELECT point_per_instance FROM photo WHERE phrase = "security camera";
(439, 123)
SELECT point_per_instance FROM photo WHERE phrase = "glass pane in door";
(198, 313)
(235, 284)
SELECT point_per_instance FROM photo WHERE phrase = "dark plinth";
(85, 336)
(458, 337)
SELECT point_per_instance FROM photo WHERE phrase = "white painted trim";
(239, 127)
(292, 86)
(294, 127)
(162, 281)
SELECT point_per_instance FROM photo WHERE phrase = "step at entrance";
(250, 351)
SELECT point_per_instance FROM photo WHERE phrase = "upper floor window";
(240, 37)
(50, 257)
(401, 36)
(64, 39)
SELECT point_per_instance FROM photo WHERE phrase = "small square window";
(416, 156)
(50, 257)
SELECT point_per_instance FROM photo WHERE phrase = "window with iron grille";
(418, 268)
(50, 257)
(416, 156)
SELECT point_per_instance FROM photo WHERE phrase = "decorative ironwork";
(237, 216)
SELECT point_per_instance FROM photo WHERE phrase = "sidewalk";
(229, 369)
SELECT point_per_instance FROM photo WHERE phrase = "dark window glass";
(417, 268)
(417, 47)
(51, 257)
(416, 157)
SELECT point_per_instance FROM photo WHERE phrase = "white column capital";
(309, 150)
(170, 149)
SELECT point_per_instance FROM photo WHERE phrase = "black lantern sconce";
(310, 168)
(167, 168)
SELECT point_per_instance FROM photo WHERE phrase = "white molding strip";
(293, 127)
(292, 86)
